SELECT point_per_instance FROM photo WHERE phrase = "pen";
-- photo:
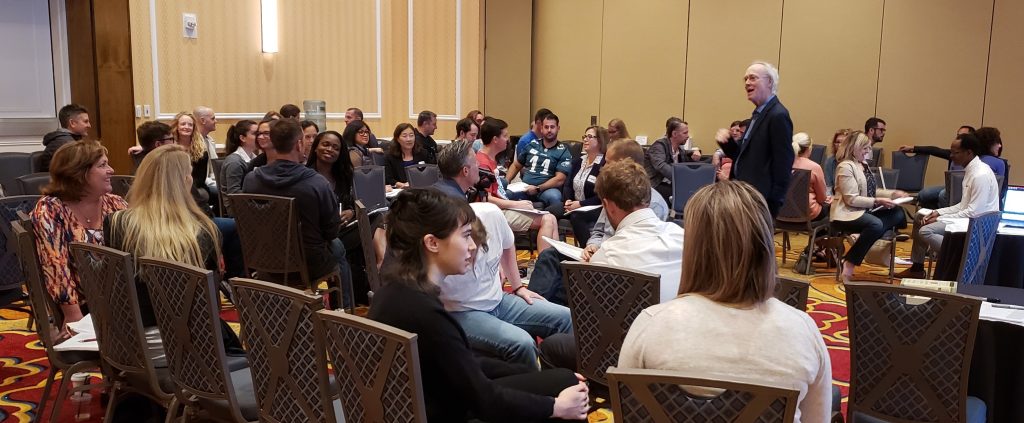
(1010, 306)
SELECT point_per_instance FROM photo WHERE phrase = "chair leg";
(61, 391)
(810, 250)
(46, 395)
(112, 402)
(892, 260)
(785, 245)
(172, 410)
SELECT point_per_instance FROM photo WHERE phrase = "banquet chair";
(47, 314)
(422, 175)
(604, 301)
(12, 280)
(121, 184)
(186, 307)
(377, 368)
(660, 396)
(108, 280)
(33, 183)
(795, 215)
(981, 236)
(284, 352)
(909, 359)
(792, 292)
(687, 178)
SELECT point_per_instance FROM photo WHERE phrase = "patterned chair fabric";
(659, 396)
(909, 362)
(108, 280)
(795, 214)
(981, 236)
(186, 307)
(604, 301)
(283, 351)
(423, 175)
(377, 368)
(792, 292)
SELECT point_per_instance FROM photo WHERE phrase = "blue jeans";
(933, 198)
(231, 248)
(549, 196)
(508, 331)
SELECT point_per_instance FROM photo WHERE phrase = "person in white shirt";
(726, 322)
(980, 195)
(499, 324)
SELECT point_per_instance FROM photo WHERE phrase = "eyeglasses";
(363, 132)
(166, 139)
(589, 136)
(263, 134)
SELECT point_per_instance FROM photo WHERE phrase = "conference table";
(997, 366)
(1005, 266)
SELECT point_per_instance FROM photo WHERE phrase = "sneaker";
(910, 274)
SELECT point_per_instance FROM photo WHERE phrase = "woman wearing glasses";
(578, 190)
(357, 139)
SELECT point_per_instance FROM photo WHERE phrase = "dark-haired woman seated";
(403, 152)
(72, 210)
(356, 139)
(430, 237)
(241, 148)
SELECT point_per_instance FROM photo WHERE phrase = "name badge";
(592, 179)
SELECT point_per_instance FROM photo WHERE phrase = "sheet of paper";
(80, 342)
(517, 187)
(571, 251)
(394, 193)
(1010, 230)
(84, 326)
(898, 201)
(530, 211)
(585, 208)
(1000, 313)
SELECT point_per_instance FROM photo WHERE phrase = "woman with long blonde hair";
(183, 127)
(161, 222)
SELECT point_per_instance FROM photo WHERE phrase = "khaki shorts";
(518, 221)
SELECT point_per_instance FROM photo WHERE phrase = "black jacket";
(53, 142)
(453, 383)
(428, 144)
(395, 172)
(315, 203)
(765, 159)
(590, 197)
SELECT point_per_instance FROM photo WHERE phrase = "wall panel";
(830, 84)
(508, 54)
(724, 38)
(566, 61)
(932, 73)
(1002, 101)
(435, 65)
(643, 64)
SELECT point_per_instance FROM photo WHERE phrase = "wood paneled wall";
(925, 66)
(329, 50)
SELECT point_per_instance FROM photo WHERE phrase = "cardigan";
(851, 191)
(453, 383)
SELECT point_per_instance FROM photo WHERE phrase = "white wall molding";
(413, 114)
(257, 115)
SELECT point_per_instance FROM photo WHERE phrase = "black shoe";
(522, 272)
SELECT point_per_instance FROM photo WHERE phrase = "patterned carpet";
(23, 366)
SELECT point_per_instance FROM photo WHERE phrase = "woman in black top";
(403, 152)
(430, 237)
(356, 139)
(325, 157)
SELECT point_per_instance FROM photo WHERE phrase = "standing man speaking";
(764, 156)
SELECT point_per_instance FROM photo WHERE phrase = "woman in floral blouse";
(72, 210)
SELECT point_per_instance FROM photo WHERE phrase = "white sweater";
(770, 341)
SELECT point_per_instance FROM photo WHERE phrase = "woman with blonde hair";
(617, 130)
(726, 321)
(185, 134)
(161, 222)
(862, 206)
(72, 210)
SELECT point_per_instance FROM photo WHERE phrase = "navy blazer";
(589, 193)
(765, 159)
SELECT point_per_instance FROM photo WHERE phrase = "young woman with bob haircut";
(726, 321)
(430, 236)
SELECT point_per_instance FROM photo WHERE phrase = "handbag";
(878, 254)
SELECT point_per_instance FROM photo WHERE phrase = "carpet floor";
(24, 368)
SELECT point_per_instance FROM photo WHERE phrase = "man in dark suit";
(764, 156)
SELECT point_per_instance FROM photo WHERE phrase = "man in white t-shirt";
(499, 324)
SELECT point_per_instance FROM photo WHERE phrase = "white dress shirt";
(644, 242)
(981, 193)
(211, 147)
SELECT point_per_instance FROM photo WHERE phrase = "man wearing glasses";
(151, 135)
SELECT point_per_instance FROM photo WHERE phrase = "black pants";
(871, 226)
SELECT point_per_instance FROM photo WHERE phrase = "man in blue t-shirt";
(534, 132)
(545, 162)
